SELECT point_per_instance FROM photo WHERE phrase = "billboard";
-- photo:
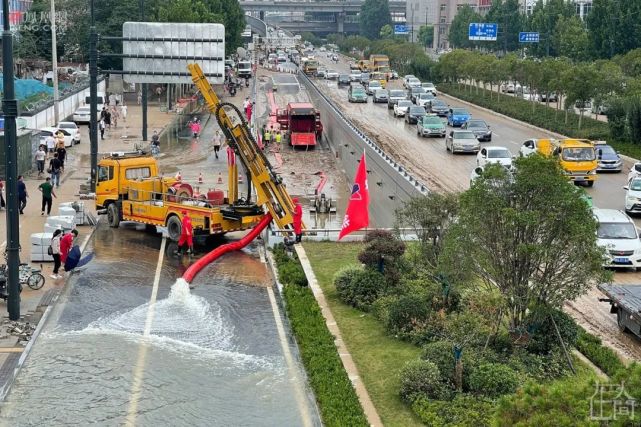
(529, 37)
(156, 52)
(401, 29)
(483, 31)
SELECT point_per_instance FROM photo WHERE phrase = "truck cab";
(117, 171)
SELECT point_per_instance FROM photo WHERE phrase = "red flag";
(357, 213)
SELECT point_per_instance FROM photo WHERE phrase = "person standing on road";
(47, 191)
(186, 234)
(245, 104)
(155, 144)
(217, 141)
(62, 155)
(102, 127)
(22, 194)
(55, 253)
(107, 119)
(66, 243)
(139, 97)
(267, 137)
(51, 143)
(114, 116)
(279, 137)
(298, 219)
(54, 170)
(40, 157)
(248, 112)
(123, 113)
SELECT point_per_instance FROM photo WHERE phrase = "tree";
(529, 235)
(386, 31)
(580, 82)
(459, 29)
(571, 38)
(374, 15)
(614, 27)
(507, 14)
(426, 35)
(311, 37)
(543, 20)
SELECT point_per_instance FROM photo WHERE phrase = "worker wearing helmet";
(298, 220)
(186, 234)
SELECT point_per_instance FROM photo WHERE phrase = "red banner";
(357, 213)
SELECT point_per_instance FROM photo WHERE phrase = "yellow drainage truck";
(577, 157)
(364, 66)
(380, 63)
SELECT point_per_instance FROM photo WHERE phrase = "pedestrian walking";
(62, 155)
(108, 119)
(60, 138)
(47, 192)
(40, 157)
(66, 243)
(186, 235)
(248, 112)
(123, 113)
(139, 97)
(102, 127)
(217, 141)
(195, 127)
(22, 194)
(114, 116)
(55, 253)
(103, 113)
(51, 143)
(267, 138)
(54, 170)
(279, 137)
(245, 104)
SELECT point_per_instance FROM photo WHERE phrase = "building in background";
(583, 7)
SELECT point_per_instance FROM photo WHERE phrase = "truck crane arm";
(270, 190)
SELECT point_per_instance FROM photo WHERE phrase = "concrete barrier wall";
(390, 185)
(66, 107)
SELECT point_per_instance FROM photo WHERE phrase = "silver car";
(463, 141)
(380, 95)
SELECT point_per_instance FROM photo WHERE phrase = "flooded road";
(212, 356)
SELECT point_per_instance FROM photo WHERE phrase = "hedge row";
(336, 397)
(603, 357)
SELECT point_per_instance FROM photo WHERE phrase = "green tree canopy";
(510, 20)
(571, 38)
(528, 234)
(374, 15)
(426, 35)
(614, 27)
(386, 31)
(459, 29)
(544, 19)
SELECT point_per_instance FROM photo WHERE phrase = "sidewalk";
(77, 168)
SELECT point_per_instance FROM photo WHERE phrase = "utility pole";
(54, 63)
(10, 111)
(93, 96)
(144, 88)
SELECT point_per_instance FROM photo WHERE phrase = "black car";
(343, 79)
(439, 108)
(413, 113)
(480, 129)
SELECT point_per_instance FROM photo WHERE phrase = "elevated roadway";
(395, 6)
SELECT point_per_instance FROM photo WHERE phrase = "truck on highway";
(244, 69)
(364, 66)
(309, 66)
(625, 302)
(577, 157)
(302, 124)
(380, 63)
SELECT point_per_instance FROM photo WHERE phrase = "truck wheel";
(620, 320)
(113, 215)
(590, 183)
(174, 227)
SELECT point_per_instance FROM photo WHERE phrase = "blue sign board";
(483, 31)
(401, 29)
(528, 37)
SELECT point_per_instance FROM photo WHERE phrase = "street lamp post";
(93, 96)
(10, 111)
(144, 88)
(54, 62)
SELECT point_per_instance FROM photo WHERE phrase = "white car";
(635, 171)
(355, 76)
(373, 86)
(617, 234)
(401, 107)
(407, 77)
(494, 154)
(633, 196)
(331, 75)
(45, 132)
(73, 129)
(423, 99)
(82, 115)
(414, 82)
(429, 86)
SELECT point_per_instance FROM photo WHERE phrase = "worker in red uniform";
(298, 219)
(186, 234)
(66, 243)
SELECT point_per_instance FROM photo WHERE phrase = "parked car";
(413, 92)
(424, 99)
(356, 93)
(510, 87)
(343, 80)
(50, 131)
(583, 105)
(430, 125)
(494, 154)
(480, 129)
(633, 195)
(414, 112)
(458, 116)
(617, 234)
(394, 96)
(401, 107)
(429, 86)
(439, 108)
(331, 75)
(462, 140)
(380, 95)
(609, 159)
(373, 86)
(73, 129)
(548, 97)
(355, 76)
(599, 108)
(82, 114)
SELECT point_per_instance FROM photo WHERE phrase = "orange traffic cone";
(220, 177)
(200, 178)
(179, 177)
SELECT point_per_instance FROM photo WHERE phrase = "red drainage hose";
(212, 256)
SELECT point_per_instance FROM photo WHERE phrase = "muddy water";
(211, 356)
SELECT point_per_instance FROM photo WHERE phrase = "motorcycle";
(232, 88)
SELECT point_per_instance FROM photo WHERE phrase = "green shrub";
(421, 378)
(462, 411)
(336, 397)
(383, 252)
(603, 357)
(406, 314)
(289, 269)
(541, 367)
(493, 379)
(441, 353)
(380, 307)
(359, 288)
(543, 338)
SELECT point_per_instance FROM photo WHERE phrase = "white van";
(102, 99)
(619, 236)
